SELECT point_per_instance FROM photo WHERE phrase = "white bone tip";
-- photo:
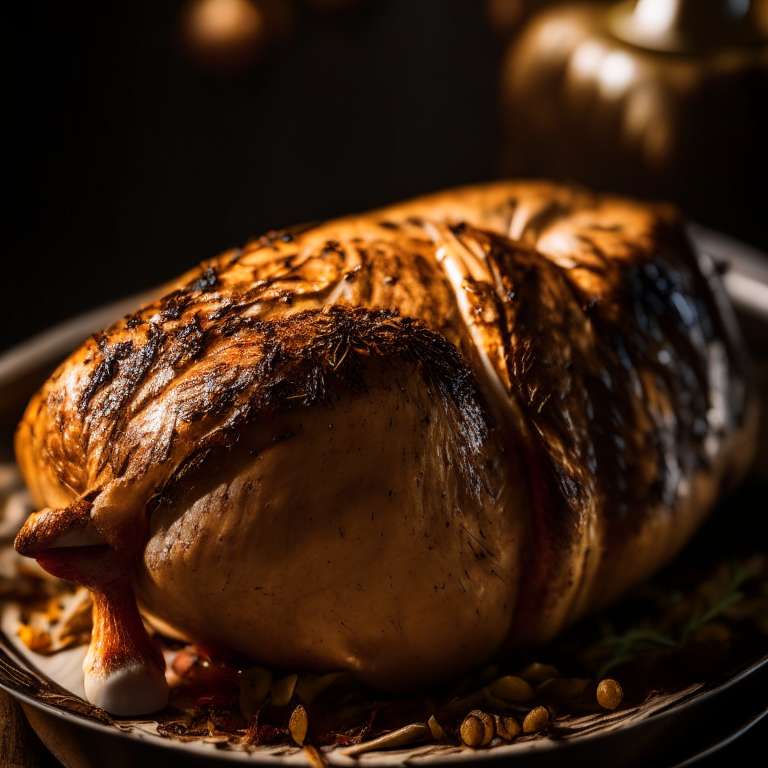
(135, 689)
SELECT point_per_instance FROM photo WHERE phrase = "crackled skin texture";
(398, 442)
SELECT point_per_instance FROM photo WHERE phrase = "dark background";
(130, 163)
(127, 162)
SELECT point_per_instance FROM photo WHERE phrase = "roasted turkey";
(393, 443)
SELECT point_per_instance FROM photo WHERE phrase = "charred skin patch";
(254, 368)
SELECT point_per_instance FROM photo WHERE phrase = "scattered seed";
(536, 720)
(308, 688)
(459, 707)
(399, 738)
(506, 727)
(298, 724)
(511, 688)
(315, 758)
(472, 731)
(609, 694)
(488, 674)
(477, 729)
(494, 702)
(282, 690)
(562, 688)
(438, 734)
(538, 673)
(254, 686)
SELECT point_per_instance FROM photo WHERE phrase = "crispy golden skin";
(392, 443)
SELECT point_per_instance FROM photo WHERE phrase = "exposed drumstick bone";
(124, 669)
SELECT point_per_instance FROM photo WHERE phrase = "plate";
(670, 729)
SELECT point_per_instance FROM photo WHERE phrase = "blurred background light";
(219, 23)
(616, 72)
(654, 16)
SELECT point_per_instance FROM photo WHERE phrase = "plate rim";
(698, 696)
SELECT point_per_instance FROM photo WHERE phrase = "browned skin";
(390, 442)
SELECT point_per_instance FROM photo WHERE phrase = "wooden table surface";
(20, 746)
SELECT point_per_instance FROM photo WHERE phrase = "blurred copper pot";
(505, 17)
(653, 97)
